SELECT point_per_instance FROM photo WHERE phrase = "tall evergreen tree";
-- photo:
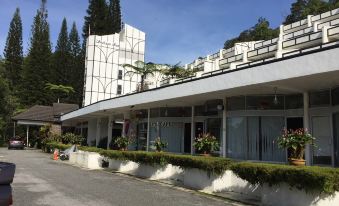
(76, 65)
(61, 58)
(36, 71)
(96, 18)
(114, 17)
(13, 51)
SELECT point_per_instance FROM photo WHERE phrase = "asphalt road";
(41, 181)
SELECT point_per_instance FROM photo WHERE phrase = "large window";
(120, 74)
(119, 90)
(320, 98)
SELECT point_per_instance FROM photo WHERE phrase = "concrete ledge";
(89, 160)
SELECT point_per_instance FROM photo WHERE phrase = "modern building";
(244, 96)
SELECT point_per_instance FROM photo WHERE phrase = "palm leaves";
(177, 71)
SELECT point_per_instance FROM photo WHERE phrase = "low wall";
(278, 195)
(89, 160)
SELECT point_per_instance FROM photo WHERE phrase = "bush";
(103, 143)
(70, 138)
(50, 146)
(206, 143)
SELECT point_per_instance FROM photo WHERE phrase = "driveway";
(41, 181)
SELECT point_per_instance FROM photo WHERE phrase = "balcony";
(225, 63)
(305, 41)
(263, 52)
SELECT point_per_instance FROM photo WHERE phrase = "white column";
(307, 126)
(224, 132)
(81, 128)
(309, 20)
(325, 35)
(192, 131)
(97, 133)
(27, 135)
(109, 130)
(148, 129)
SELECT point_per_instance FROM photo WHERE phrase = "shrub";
(103, 143)
(70, 138)
(159, 145)
(122, 142)
(206, 143)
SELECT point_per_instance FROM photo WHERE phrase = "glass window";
(120, 74)
(211, 107)
(236, 137)
(119, 90)
(236, 103)
(320, 98)
(335, 96)
(155, 112)
(199, 110)
(294, 101)
(175, 112)
(264, 102)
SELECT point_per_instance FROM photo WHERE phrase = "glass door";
(321, 130)
(336, 138)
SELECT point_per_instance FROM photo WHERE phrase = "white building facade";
(105, 76)
(244, 96)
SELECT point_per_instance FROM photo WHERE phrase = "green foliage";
(13, 52)
(311, 179)
(159, 144)
(260, 31)
(143, 69)
(50, 146)
(70, 138)
(59, 90)
(296, 141)
(122, 142)
(37, 70)
(114, 17)
(177, 71)
(206, 143)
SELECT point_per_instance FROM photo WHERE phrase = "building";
(244, 96)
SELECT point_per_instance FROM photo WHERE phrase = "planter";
(89, 160)
(7, 171)
(297, 162)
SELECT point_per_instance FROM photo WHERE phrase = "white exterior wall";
(104, 57)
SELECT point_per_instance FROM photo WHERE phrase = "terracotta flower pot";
(297, 162)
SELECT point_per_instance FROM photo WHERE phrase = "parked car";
(7, 171)
(16, 142)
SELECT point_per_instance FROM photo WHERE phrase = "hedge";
(309, 178)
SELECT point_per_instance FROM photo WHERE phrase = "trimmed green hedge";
(309, 178)
(55, 145)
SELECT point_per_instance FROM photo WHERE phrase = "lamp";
(166, 112)
(220, 107)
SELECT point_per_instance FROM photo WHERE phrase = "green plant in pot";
(206, 143)
(295, 142)
(122, 143)
(159, 144)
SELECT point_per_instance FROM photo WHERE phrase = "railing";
(301, 40)
(225, 62)
(333, 31)
(185, 79)
(215, 56)
(265, 43)
(324, 15)
(298, 33)
(225, 53)
(261, 51)
(295, 25)
(328, 23)
(165, 82)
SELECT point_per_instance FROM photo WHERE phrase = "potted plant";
(206, 143)
(159, 145)
(122, 143)
(295, 141)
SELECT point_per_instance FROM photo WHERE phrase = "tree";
(260, 31)
(36, 70)
(76, 65)
(61, 58)
(177, 71)
(96, 19)
(143, 69)
(114, 17)
(59, 90)
(13, 51)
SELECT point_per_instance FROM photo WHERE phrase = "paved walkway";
(42, 181)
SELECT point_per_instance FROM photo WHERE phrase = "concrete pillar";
(81, 128)
(224, 131)
(109, 130)
(127, 117)
(309, 20)
(244, 56)
(97, 133)
(27, 135)
(325, 34)
(315, 27)
(148, 128)
(192, 131)
(14, 129)
(308, 156)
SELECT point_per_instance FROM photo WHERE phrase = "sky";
(176, 30)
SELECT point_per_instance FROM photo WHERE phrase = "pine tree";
(61, 58)
(76, 65)
(36, 71)
(96, 18)
(13, 51)
(114, 17)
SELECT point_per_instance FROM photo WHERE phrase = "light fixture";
(275, 101)
(220, 107)
(166, 112)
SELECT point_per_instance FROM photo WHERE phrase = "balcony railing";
(265, 50)
(307, 39)
(333, 32)
(291, 27)
(223, 63)
(334, 22)
(325, 15)
(298, 33)
(265, 43)
(214, 56)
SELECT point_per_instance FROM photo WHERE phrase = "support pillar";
(224, 131)
(81, 128)
(27, 135)
(97, 134)
(325, 34)
(109, 130)
(192, 131)
(148, 129)
(306, 127)
(14, 125)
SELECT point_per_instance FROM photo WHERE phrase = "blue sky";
(176, 30)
